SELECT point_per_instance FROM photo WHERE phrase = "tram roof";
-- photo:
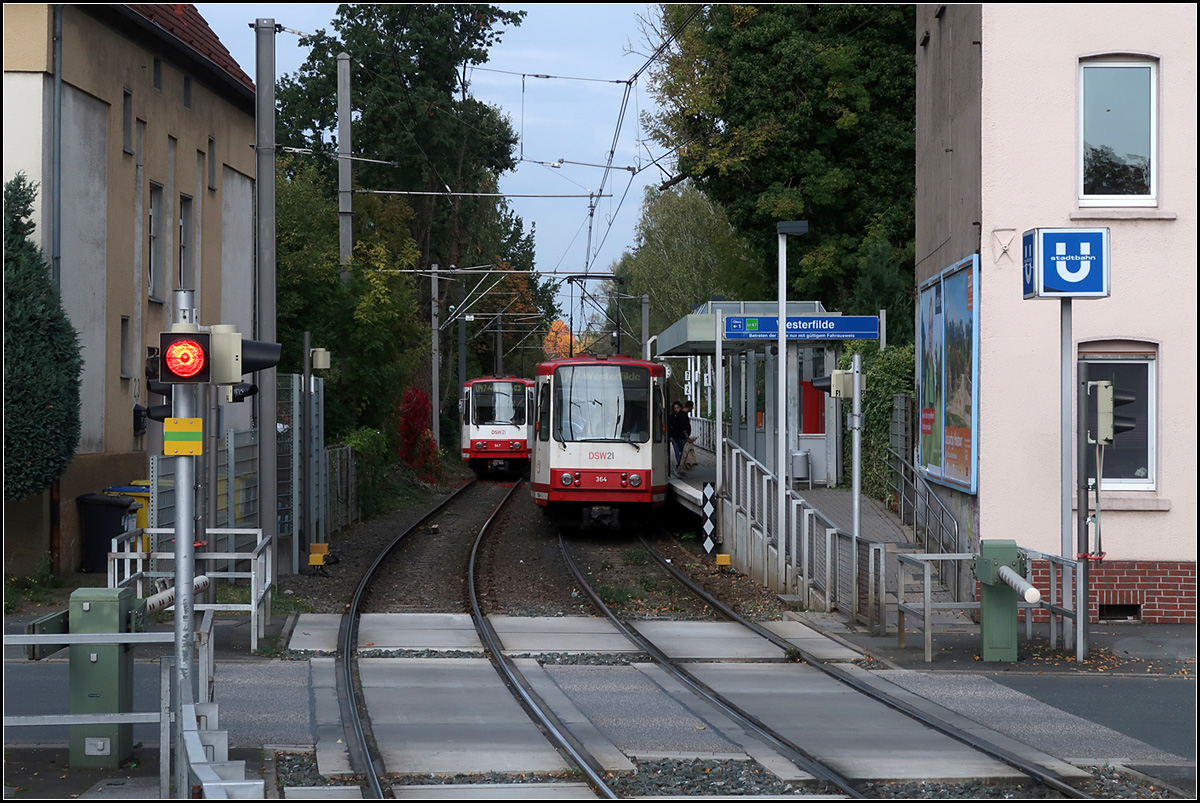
(696, 332)
(547, 368)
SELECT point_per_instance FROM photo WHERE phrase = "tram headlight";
(566, 479)
(480, 445)
(635, 480)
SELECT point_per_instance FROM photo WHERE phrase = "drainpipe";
(56, 157)
(55, 214)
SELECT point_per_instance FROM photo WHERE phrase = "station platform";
(836, 504)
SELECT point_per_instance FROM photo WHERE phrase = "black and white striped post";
(709, 508)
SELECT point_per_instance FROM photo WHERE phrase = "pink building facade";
(1067, 117)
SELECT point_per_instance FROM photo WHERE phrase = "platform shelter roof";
(695, 333)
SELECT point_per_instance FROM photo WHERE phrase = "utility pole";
(264, 190)
(345, 176)
(434, 396)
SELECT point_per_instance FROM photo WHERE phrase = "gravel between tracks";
(527, 577)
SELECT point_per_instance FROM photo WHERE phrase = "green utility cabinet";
(101, 675)
(997, 599)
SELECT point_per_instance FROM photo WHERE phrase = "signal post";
(190, 356)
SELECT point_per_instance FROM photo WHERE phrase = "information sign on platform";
(807, 327)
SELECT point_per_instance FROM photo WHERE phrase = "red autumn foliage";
(418, 449)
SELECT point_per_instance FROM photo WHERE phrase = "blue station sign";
(1065, 263)
(806, 327)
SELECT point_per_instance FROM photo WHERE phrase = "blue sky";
(556, 118)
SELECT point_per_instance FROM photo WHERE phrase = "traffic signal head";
(185, 357)
(839, 384)
(1108, 423)
(240, 392)
(258, 355)
(234, 356)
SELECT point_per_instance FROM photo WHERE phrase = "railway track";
(1036, 773)
(811, 763)
(537, 683)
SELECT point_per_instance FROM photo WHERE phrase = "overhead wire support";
(477, 194)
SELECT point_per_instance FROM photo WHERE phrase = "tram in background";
(600, 440)
(497, 427)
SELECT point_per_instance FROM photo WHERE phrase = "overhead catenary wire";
(596, 238)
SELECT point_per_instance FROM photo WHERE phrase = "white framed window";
(1129, 462)
(1118, 133)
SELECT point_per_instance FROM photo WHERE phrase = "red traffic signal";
(185, 357)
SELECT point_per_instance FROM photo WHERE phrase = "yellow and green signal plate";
(183, 436)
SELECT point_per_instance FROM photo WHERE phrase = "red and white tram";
(496, 423)
(600, 439)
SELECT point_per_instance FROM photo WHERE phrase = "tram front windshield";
(602, 403)
(498, 403)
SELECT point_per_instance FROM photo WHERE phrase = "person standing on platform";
(679, 427)
(688, 461)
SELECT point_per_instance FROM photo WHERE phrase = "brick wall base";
(1163, 591)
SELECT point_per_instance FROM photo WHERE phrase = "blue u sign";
(1064, 263)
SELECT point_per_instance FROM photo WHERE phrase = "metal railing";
(1062, 603)
(704, 431)
(205, 749)
(933, 524)
(342, 499)
(814, 558)
(924, 565)
(130, 564)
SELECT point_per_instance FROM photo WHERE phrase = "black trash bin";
(104, 517)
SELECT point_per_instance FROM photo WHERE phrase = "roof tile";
(184, 22)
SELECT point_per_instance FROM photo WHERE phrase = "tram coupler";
(601, 517)
(1000, 569)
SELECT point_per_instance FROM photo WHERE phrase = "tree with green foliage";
(798, 112)
(412, 111)
(368, 321)
(686, 251)
(42, 359)
(418, 130)
(886, 373)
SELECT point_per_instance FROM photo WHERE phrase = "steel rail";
(516, 682)
(791, 751)
(1039, 774)
(353, 705)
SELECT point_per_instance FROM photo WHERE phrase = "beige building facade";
(138, 128)
(1071, 117)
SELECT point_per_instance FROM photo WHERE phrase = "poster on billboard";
(947, 376)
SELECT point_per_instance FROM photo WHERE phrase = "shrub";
(42, 360)
(885, 373)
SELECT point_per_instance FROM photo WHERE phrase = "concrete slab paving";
(843, 727)
(765, 755)
(566, 634)
(635, 713)
(709, 641)
(316, 632)
(450, 715)
(595, 742)
(322, 793)
(506, 791)
(332, 749)
(812, 642)
(446, 632)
